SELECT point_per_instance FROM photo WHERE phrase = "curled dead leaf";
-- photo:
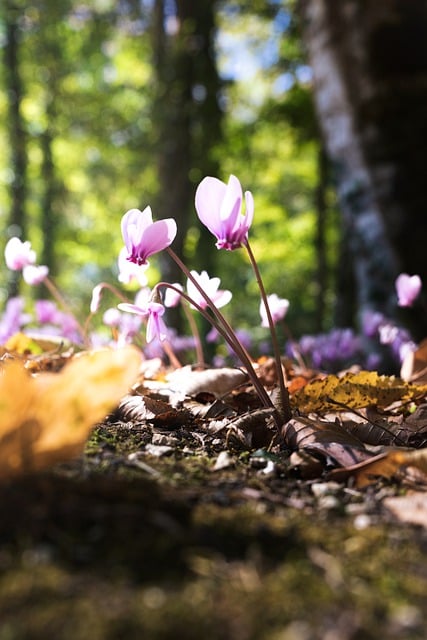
(385, 465)
(46, 418)
(158, 412)
(215, 381)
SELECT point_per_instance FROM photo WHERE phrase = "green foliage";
(89, 84)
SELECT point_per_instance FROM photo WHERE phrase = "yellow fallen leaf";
(47, 418)
(355, 390)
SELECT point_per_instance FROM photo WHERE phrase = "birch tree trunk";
(369, 62)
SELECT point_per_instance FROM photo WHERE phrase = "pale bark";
(369, 62)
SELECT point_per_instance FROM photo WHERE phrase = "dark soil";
(151, 535)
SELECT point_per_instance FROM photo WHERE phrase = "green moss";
(102, 549)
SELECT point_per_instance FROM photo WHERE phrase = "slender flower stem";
(57, 295)
(279, 369)
(211, 319)
(167, 348)
(224, 328)
(196, 335)
(113, 289)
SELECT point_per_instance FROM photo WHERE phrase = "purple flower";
(210, 286)
(143, 237)
(408, 288)
(218, 206)
(156, 327)
(371, 322)
(13, 319)
(18, 254)
(278, 309)
(46, 311)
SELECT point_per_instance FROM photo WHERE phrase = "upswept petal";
(209, 196)
(250, 208)
(231, 225)
(211, 284)
(232, 201)
(133, 224)
(157, 236)
(219, 208)
(408, 288)
(222, 298)
(194, 293)
(133, 308)
(18, 254)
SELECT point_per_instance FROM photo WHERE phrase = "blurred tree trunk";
(186, 116)
(369, 64)
(320, 238)
(49, 218)
(17, 224)
(55, 65)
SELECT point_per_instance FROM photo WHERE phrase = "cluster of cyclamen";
(218, 206)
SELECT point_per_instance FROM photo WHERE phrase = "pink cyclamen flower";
(210, 286)
(143, 237)
(18, 254)
(153, 311)
(96, 297)
(130, 272)
(218, 206)
(172, 297)
(35, 274)
(112, 317)
(408, 288)
(278, 309)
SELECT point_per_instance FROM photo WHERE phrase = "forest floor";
(154, 533)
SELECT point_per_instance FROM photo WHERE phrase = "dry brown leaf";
(326, 439)
(409, 508)
(414, 365)
(355, 390)
(385, 465)
(158, 412)
(46, 418)
(215, 381)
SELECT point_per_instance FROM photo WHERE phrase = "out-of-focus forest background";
(318, 107)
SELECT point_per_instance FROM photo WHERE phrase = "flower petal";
(157, 237)
(133, 308)
(222, 298)
(209, 196)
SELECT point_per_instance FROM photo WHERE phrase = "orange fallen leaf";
(47, 418)
(385, 465)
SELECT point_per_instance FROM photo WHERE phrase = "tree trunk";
(17, 224)
(48, 217)
(186, 113)
(320, 238)
(369, 63)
